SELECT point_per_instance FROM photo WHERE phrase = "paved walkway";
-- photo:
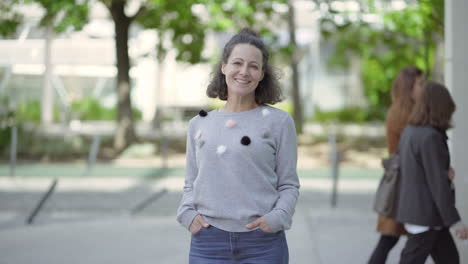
(87, 221)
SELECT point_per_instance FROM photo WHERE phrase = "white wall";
(456, 78)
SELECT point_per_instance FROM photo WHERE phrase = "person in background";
(427, 200)
(241, 184)
(404, 89)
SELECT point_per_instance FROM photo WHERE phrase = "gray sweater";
(240, 166)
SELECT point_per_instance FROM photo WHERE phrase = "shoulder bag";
(386, 197)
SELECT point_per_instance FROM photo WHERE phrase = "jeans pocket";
(261, 231)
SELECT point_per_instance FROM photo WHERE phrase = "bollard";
(334, 160)
(13, 150)
(164, 151)
(93, 154)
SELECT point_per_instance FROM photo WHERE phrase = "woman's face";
(243, 70)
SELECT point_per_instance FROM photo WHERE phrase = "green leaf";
(406, 37)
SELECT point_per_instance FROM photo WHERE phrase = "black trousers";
(438, 244)
(380, 253)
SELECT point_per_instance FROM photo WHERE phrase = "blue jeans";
(215, 246)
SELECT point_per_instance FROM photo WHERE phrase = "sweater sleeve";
(187, 212)
(280, 218)
(433, 155)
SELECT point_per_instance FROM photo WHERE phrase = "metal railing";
(42, 202)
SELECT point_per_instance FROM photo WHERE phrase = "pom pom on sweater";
(221, 149)
(198, 135)
(230, 123)
(203, 113)
(245, 140)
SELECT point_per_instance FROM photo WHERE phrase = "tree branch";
(107, 4)
(138, 13)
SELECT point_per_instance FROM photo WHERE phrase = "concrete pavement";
(95, 226)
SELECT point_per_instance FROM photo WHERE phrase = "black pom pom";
(245, 140)
(203, 113)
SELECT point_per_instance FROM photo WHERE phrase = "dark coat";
(426, 197)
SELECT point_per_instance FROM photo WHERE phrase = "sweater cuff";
(187, 217)
(277, 220)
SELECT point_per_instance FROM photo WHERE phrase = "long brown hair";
(402, 104)
(434, 107)
(268, 90)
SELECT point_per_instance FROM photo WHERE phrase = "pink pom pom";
(230, 123)
(198, 135)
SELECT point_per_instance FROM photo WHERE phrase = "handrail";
(41, 203)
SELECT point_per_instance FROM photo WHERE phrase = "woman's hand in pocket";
(197, 223)
(462, 232)
(451, 173)
(261, 223)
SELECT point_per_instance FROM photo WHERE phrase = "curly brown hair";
(268, 90)
(434, 107)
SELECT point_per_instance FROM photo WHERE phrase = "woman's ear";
(222, 67)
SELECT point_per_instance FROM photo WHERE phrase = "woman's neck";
(240, 104)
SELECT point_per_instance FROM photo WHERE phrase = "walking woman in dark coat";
(426, 204)
(403, 90)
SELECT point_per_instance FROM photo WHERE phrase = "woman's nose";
(244, 70)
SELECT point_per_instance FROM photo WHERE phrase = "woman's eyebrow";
(254, 61)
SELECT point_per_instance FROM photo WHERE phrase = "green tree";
(398, 38)
(184, 22)
(10, 18)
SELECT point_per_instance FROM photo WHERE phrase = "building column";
(456, 77)
(47, 100)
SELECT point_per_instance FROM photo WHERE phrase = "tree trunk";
(125, 132)
(297, 115)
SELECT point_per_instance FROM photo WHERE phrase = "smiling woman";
(241, 185)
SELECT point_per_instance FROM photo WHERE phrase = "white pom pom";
(221, 149)
(265, 112)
